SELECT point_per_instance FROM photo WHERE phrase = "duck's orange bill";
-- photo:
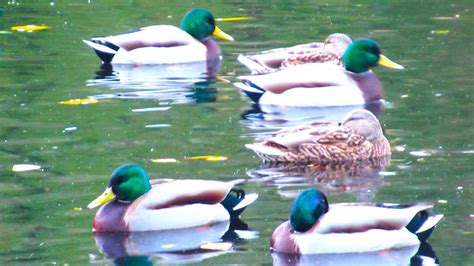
(384, 61)
(222, 35)
(107, 196)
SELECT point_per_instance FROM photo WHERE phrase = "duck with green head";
(164, 44)
(315, 227)
(132, 202)
(323, 84)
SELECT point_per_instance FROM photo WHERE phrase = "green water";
(428, 119)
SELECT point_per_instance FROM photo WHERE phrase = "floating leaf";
(165, 160)
(440, 32)
(447, 18)
(211, 158)
(25, 167)
(234, 18)
(29, 28)
(157, 125)
(79, 101)
(442, 201)
(222, 246)
(77, 209)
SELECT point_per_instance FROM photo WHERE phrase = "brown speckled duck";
(358, 137)
(330, 51)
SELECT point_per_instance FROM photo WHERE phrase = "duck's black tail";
(105, 50)
(423, 224)
(236, 202)
(424, 221)
(253, 91)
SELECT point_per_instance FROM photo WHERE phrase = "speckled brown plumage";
(330, 52)
(317, 57)
(359, 137)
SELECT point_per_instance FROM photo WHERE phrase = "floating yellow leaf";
(77, 209)
(165, 160)
(234, 19)
(439, 31)
(442, 201)
(211, 158)
(78, 101)
(25, 167)
(29, 28)
(223, 246)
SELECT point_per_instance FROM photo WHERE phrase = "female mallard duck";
(164, 44)
(134, 203)
(330, 51)
(322, 84)
(317, 228)
(358, 137)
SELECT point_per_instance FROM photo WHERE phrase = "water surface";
(428, 119)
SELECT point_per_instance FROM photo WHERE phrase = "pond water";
(428, 119)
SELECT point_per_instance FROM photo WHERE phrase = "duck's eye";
(211, 20)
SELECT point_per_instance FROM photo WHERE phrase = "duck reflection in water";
(414, 255)
(361, 178)
(169, 84)
(172, 246)
(261, 117)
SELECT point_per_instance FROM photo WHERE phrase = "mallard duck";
(330, 51)
(316, 228)
(323, 84)
(131, 202)
(164, 44)
(358, 137)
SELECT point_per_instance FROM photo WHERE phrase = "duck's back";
(179, 204)
(152, 36)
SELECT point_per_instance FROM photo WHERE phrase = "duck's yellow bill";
(222, 35)
(107, 196)
(384, 61)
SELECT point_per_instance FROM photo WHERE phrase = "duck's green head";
(307, 208)
(363, 54)
(127, 183)
(200, 24)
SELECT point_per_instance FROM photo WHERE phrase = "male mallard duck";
(330, 51)
(164, 44)
(321, 84)
(358, 137)
(134, 203)
(316, 228)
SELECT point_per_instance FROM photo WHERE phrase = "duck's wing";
(352, 218)
(339, 145)
(293, 137)
(287, 141)
(313, 75)
(315, 57)
(184, 192)
(153, 36)
(270, 60)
